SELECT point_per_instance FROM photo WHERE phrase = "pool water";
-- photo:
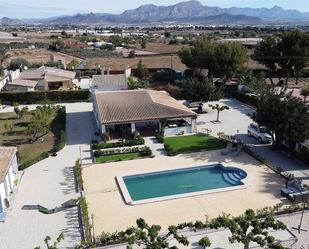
(182, 181)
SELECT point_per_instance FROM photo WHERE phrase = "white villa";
(120, 113)
(8, 171)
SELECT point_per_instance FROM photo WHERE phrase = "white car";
(259, 132)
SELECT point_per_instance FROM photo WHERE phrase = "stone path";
(50, 183)
(156, 147)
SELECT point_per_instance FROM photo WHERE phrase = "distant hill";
(274, 13)
(9, 21)
(184, 12)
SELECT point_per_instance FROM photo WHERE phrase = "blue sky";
(47, 8)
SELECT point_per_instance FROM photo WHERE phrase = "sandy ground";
(111, 213)
(161, 61)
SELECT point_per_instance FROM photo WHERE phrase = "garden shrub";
(145, 151)
(160, 136)
(61, 119)
(78, 175)
(85, 219)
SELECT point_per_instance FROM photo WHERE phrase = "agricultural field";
(161, 61)
(36, 56)
(162, 48)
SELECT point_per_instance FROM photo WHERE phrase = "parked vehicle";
(259, 132)
(191, 104)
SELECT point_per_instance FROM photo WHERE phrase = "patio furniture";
(286, 191)
(299, 196)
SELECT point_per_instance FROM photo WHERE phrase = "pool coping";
(128, 200)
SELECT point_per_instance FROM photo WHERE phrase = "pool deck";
(111, 213)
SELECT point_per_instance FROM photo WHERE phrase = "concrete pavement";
(235, 122)
(50, 183)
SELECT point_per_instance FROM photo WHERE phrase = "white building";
(8, 171)
(120, 113)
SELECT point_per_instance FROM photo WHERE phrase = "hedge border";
(37, 97)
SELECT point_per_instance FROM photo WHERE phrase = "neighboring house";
(9, 76)
(45, 78)
(19, 85)
(109, 82)
(120, 113)
(8, 171)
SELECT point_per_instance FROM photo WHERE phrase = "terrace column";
(193, 125)
(133, 129)
(103, 129)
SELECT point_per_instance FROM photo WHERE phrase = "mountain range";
(184, 12)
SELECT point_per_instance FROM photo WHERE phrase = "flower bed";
(104, 156)
(125, 143)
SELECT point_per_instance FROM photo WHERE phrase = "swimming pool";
(178, 183)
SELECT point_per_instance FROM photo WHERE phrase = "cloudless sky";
(47, 8)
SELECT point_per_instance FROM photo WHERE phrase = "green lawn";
(119, 157)
(183, 144)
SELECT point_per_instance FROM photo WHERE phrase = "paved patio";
(111, 213)
(235, 122)
(50, 183)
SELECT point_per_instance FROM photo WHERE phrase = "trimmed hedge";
(125, 143)
(27, 164)
(45, 96)
(144, 151)
(248, 99)
(86, 221)
(61, 116)
(78, 175)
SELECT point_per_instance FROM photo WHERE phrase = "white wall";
(177, 130)
(2, 195)
(97, 114)
(3, 82)
(15, 88)
(7, 186)
(118, 87)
